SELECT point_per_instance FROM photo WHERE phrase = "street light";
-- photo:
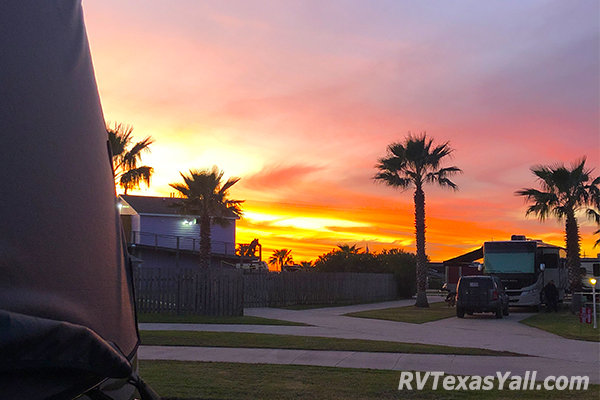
(593, 282)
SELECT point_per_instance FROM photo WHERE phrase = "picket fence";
(228, 291)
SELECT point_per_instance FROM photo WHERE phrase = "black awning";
(466, 258)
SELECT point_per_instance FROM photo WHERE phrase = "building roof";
(151, 205)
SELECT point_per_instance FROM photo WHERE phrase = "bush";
(395, 261)
(403, 265)
(436, 283)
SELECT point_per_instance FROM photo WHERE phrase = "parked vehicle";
(525, 266)
(479, 294)
(590, 267)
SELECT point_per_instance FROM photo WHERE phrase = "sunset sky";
(300, 99)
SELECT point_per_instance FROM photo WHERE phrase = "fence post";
(177, 254)
(179, 277)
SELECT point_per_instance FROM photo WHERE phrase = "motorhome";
(525, 266)
(590, 268)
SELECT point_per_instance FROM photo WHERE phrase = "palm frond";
(415, 161)
(593, 215)
(133, 177)
(125, 161)
(441, 177)
(564, 190)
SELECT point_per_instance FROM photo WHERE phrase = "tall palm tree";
(413, 163)
(206, 196)
(564, 192)
(281, 258)
(126, 156)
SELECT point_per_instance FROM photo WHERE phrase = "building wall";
(162, 231)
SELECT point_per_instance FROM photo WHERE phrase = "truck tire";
(460, 312)
(506, 311)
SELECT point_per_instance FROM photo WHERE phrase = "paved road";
(553, 355)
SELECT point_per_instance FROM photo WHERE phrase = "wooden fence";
(227, 291)
(294, 288)
(189, 291)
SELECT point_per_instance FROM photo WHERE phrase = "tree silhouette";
(281, 258)
(206, 196)
(564, 192)
(126, 156)
(348, 250)
(413, 163)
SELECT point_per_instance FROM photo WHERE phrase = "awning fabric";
(61, 253)
(466, 258)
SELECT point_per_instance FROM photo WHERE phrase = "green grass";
(204, 319)
(563, 324)
(269, 341)
(197, 380)
(314, 306)
(410, 314)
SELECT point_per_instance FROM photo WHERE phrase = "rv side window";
(550, 260)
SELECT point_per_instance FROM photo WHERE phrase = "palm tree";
(413, 163)
(206, 196)
(125, 157)
(564, 193)
(595, 216)
(281, 258)
(348, 250)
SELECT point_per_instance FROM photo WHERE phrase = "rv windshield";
(509, 257)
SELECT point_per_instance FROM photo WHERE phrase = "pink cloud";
(278, 176)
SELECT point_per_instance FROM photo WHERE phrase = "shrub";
(394, 261)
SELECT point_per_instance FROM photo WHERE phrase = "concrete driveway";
(552, 355)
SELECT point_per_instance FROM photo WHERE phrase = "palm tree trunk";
(205, 244)
(419, 198)
(573, 260)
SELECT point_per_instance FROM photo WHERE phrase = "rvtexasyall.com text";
(418, 380)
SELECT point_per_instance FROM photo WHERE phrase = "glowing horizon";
(300, 99)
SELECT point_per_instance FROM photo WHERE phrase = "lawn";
(563, 324)
(196, 380)
(410, 314)
(262, 340)
(205, 319)
(314, 306)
